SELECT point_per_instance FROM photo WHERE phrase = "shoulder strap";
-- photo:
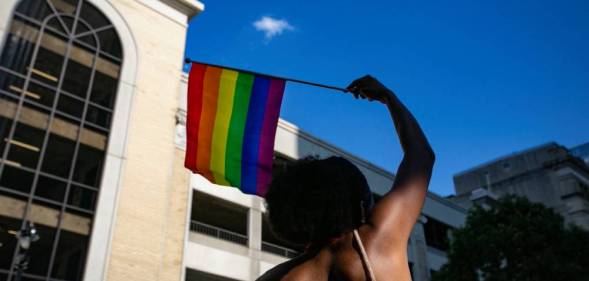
(364, 256)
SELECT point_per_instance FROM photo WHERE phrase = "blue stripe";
(252, 132)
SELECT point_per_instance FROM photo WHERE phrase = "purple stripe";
(266, 150)
(253, 133)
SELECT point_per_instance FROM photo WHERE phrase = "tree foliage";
(516, 240)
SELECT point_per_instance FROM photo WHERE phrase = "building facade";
(547, 174)
(80, 81)
(581, 151)
(92, 112)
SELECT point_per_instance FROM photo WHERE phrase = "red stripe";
(210, 94)
(194, 109)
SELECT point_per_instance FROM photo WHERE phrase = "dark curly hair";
(313, 200)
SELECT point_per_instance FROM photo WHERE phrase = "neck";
(322, 261)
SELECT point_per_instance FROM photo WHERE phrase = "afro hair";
(313, 200)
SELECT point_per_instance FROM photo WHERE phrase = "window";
(437, 234)
(216, 217)
(59, 73)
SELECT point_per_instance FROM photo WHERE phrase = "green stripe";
(243, 91)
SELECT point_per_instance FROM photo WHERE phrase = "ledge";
(190, 8)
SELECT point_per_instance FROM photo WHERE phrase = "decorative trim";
(178, 11)
(105, 219)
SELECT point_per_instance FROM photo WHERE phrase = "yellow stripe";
(222, 122)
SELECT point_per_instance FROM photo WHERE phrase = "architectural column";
(419, 248)
(254, 233)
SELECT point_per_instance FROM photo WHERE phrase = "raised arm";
(395, 214)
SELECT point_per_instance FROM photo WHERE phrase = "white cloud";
(271, 26)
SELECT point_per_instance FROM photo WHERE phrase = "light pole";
(25, 237)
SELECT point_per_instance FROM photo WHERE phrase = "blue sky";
(484, 78)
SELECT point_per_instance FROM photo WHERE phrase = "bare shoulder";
(307, 271)
(387, 265)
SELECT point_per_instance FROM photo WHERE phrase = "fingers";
(363, 81)
(359, 93)
(353, 85)
(364, 88)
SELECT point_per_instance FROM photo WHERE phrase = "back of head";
(314, 200)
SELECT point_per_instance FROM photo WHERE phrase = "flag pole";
(188, 60)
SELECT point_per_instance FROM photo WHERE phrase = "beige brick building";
(127, 226)
(92, 113)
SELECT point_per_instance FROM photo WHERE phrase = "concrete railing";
(218, 232)
(238, 238)
(278, 250)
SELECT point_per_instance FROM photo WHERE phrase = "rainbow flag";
(231, 125)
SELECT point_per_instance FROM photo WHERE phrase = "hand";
(369, 88)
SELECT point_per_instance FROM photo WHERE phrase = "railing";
(279, 250)
(218, 232)
(234, 237)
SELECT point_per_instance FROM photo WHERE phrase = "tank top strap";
(364, 256)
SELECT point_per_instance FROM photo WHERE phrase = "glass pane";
(9, 226)
(7, 111)
(70, 256)
(50, 59)
(54, 25)
(11, 84)
(40, 94)
(65, 6)
(89, 163)
(104, 90)
(15, 178)
(34, 117)
(40, 250)
(93, 16)
(25, 145)
(5, 124)
(76, 79)
(45, 212)
(37, 9)
(35, 92)
(94, 138)
(88, 40)
(70, 106)
(19, 46)
(82, 198)
(51, 189)
(81, 28)
(60, 148)
(109, 42)
(98, 116)
(29, 137)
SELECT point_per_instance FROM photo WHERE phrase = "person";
(325, 206)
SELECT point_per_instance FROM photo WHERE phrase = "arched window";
(59, 73)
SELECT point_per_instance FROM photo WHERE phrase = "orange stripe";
(207, 120)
